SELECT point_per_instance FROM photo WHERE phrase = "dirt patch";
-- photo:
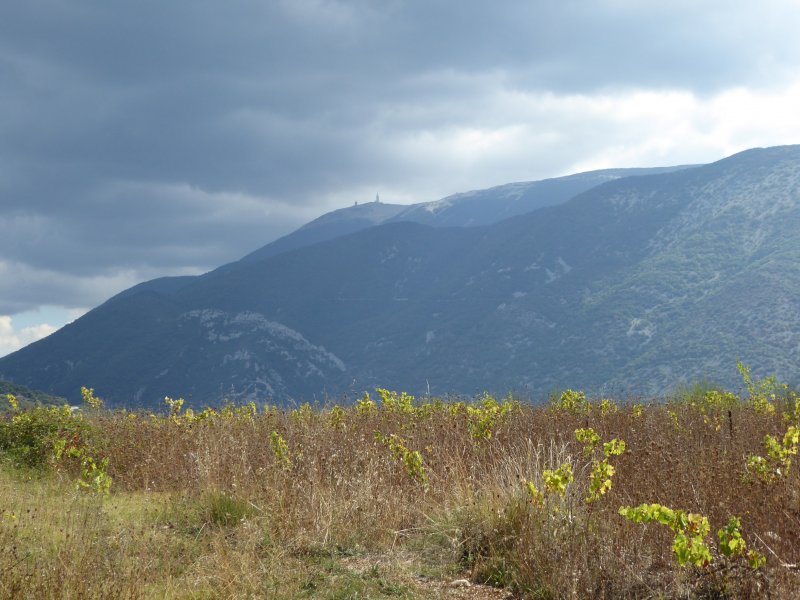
(405, 568)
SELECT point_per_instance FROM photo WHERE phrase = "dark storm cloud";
(156, 137)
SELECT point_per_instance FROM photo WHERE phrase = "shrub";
(41, 436)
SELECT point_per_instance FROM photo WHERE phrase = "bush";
(40, 437)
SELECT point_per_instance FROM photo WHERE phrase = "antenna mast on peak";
(377, 198)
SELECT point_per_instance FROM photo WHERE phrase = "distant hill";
(492, 205)
(26, 397)
(628, 287)
(468, 209)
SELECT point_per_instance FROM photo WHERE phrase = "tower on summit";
(377, 198)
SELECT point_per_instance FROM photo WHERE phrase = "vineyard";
(696, 496)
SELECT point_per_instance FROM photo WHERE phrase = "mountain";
(629, 287)
(467, 209)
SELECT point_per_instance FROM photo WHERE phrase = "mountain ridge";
(613, 288)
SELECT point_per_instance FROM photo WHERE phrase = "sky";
(151, 138)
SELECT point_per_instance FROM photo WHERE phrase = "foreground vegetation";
(393, 497)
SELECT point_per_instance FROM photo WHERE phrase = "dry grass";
(207, 509)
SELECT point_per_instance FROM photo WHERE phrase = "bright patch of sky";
(29, 326)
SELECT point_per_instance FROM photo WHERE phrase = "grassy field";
(400, 498)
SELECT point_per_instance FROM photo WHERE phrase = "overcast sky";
(150, 137)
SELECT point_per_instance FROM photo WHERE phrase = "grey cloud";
(153, 90)
(136, 225)
(34, 287)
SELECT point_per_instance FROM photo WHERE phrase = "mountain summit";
(630, 285)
